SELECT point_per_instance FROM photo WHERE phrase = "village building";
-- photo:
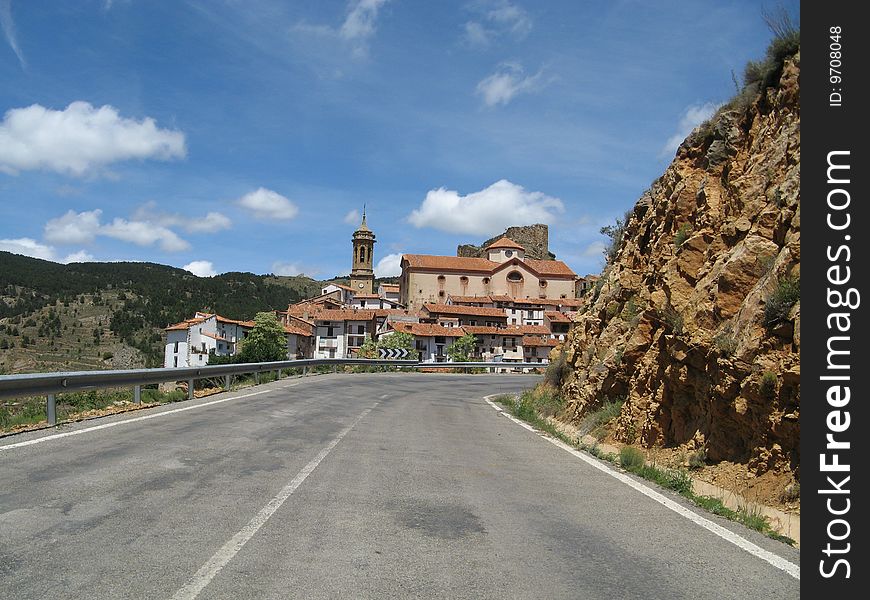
(430, 340)
(505, 272)
(454, 315)
(362, 275)
(192, 342)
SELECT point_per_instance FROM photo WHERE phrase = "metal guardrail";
(50, 384)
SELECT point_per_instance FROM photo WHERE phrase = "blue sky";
(247, 135)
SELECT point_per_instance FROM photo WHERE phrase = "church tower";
(362, 276)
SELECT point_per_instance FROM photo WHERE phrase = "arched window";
(543, 283)
(508, 253)
(515, 276)
(362, 254)
(463, 279)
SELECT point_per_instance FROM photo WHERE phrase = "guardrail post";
(304, 371)
(277, 374)
(137, 394)
(227, 379)
(190, 389)
(51, 409)
(256, 377)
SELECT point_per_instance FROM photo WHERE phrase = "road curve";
(346, 486)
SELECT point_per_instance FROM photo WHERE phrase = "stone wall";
(534, 238)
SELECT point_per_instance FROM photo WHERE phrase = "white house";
(430, 340)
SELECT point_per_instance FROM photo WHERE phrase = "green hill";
(104, 315)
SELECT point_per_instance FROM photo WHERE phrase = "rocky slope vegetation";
(695, 321)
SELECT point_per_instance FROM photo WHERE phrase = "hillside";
(112, 315)
(695, 321)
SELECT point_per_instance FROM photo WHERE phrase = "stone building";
(362, 276)
(505, 271)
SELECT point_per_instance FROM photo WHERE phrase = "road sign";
(393, 353)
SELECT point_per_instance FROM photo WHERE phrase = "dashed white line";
(132, 420)
(222, 557)
(726, 534)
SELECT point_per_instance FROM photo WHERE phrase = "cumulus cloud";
(28, 247)
(34, 249)
(73, 227)
(78, 257)
(508, 81)
(496, 19)
(210, 223)
(80, 139)
(353, 217)
(9, 30)
(200, 268)
(268, 205)
(143, 233)
(693, 116)
(486, 212)
(389, 266)
(286, 269)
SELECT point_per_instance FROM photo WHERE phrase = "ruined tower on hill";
(534, 238)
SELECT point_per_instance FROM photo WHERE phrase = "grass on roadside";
(526, 407)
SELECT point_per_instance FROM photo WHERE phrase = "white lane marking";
(385, 396)
(124, 422)
(726, 534)
(228, 551)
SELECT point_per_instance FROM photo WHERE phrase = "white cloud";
(497, 18)
(28, 247)
(493, 209)
(210, 223)
(200, 268)
(595, 250)
(353, 217)
(356, 30)
(143, 233)
(73, 228)
(268, 205)
(507, 82)
(389, 266)
(9, 30)
(693, 116)
(32, 248)
(80, 139)
(78, 257)
(286, 269)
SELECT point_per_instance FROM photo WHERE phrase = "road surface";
(347, 486)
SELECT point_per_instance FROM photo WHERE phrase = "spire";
(363, 226)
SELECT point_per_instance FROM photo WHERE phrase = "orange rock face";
(678, 326)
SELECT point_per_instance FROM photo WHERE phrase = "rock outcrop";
(677, 324)
(534, 238)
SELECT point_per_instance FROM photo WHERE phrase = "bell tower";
(362, 276)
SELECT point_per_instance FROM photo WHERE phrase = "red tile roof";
(427, 329)
(457, 309)
(345, 314)
(505, 242)
(556, 316)
(470, 299)
(537, 341)
(215, 337)
(549, 268)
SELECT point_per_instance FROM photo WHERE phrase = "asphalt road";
(347, 486)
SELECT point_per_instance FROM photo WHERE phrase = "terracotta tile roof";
(297, 330)
(484, 330)
(449, 263)
(345, 314)
(532, 341)
(556, 316)
(505, 242)
(502, 298)
(427, 329)
(455, 309)
(470, 299)
(186, 324)
(550, 267)
(366, 296)
(221, 319)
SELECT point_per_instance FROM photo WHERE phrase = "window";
(441, 293)
(439, 339)
(175, 362)
(515, 276)
(362, 254)
(361, 329)
(543, 283)
(486, 281)
(176, 347)
(441, 279)
(508, 253)
(463, 279)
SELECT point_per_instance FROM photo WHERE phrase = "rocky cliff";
(534, 238)
(695, 321)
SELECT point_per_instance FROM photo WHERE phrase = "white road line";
(726, 534)
(210, 569)
(125, 421)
